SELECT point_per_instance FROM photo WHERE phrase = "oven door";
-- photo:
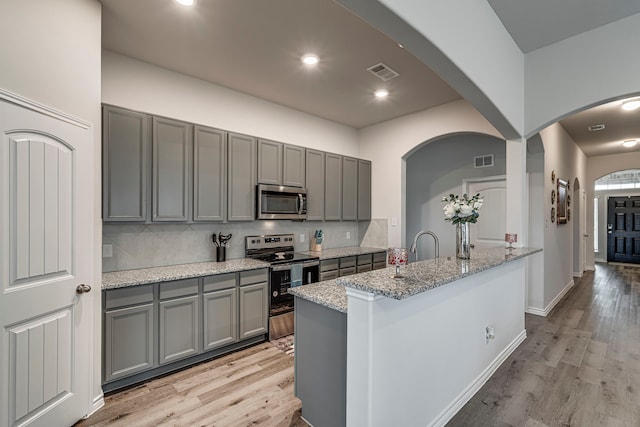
(279, 285)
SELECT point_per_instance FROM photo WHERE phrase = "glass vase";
(463, 241)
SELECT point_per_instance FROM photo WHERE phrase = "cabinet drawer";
(379, 257)
(218, 282)
(329, 275)
(364, 259)
(348, 261)
(329, 264)
(254, 276)
(379, 265)
(128, 296)
(179, 288)
(363, 268)
(347, 271)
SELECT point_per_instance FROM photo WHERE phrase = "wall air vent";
(383, 72)
(483, 161)
(595, 128)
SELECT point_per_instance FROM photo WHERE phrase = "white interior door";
(46, 252)
(490, 228)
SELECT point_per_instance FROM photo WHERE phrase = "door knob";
(83, 289)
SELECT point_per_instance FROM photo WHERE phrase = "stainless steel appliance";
(281, 202)
(288, 269)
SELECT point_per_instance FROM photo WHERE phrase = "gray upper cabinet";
(269, 162)
(171, 170)
(294, 166)
(241, 177)
(315, 185)
(126, 165)
(333, 187)
(349, 189)
(364, 190)
(209, 174)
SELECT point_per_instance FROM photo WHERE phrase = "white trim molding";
(544, 313)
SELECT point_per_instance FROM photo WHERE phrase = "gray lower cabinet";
(220, 316)
(293, 164)
(241, 177)
(179, 328)
(171, 170)
(254, 303)
(364, 190)
(209, 174)
(349, 189)
(333, 187)
(126, 165)
(269, 162)
(315, 184)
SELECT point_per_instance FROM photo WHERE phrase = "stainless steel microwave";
(281, 202)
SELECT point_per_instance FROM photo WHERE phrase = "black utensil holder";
(221, 254)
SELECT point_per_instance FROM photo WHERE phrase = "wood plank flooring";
(578, 367)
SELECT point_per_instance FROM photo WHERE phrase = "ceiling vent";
(595, 128)
(383, 72)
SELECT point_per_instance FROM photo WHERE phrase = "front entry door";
(623, 229)
(46, 252)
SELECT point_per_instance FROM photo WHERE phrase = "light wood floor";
(578, 367)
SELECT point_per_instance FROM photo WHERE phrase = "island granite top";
(120, 279)
(326, 293)
(343, 252)
(423, 276)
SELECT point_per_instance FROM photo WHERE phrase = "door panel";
(623, 229)
(489, 230)
(46, 214)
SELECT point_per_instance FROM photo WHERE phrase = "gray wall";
(433, 172)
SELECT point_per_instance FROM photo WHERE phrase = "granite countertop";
(426, 275)
(342, 252)
(326, 293)
(120, 279)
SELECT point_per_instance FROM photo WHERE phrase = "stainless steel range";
(288, 269)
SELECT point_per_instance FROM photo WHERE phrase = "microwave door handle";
(300, 203)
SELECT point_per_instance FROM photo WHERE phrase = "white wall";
(137, 85)
(433, 172)
(51, 54)
(598, 167)
(563, 156)
(385, 144)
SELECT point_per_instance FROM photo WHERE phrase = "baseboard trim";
(577, 274)
(589, 268)
(466, 395)
(98, 402)
(544, 313)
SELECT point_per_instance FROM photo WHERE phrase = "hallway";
(578, 367)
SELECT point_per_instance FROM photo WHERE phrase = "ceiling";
(254, 46)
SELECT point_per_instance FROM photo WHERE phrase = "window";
(595, 224)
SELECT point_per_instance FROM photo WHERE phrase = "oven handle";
(300, 203)
(310, 264)
(284, 267)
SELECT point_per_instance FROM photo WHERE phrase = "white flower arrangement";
(463, 209)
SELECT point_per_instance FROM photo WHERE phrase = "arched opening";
(616, 203)
(432, 172)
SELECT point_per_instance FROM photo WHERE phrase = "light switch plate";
(107, 251)
(348, 235)
(301, 237)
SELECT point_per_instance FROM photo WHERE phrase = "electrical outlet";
(301, 237)
(489, 334)
(107, 251)
(348, 235)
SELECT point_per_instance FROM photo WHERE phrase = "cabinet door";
(126, 150)
(171, 170)
(315, 185)
(220, 318)
(294, 166)
(333, 187)
(242, 178)
(349, 189)
(128, 341)
(209, 174)
(254, 307)
(364, 190)
(269, 162)
(179, 331)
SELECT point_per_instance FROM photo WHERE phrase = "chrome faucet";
(414, 245)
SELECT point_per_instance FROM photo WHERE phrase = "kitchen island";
(410, 351)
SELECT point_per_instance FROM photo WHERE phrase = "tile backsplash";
(154, 245)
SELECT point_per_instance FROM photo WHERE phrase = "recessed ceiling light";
(310, 59)
(634, 104)
(630, 143)
(381, 93)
